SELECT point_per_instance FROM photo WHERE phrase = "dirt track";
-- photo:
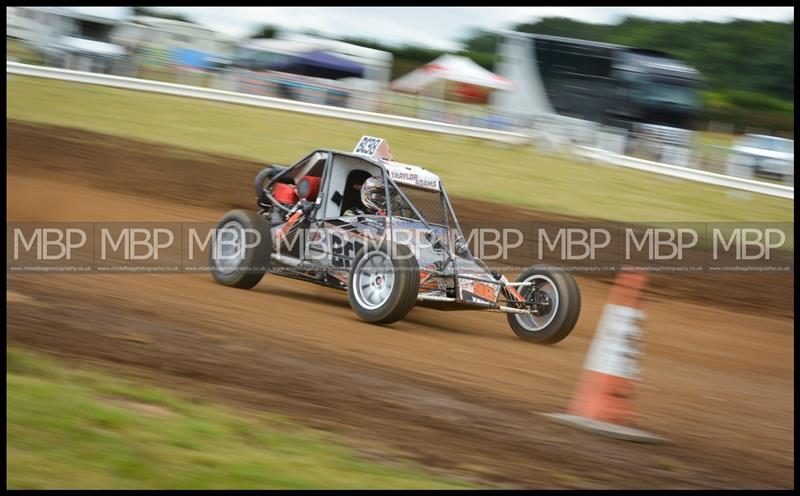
(181, 177)
(455, 391)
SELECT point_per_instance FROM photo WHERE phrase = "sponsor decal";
(419, 177)
(484, 291)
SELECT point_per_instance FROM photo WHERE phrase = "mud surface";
(456, 392)
(218, 183)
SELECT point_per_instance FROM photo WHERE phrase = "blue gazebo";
(322, 65)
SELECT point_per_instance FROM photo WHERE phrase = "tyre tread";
(567, 286)
(258, 257)
(408, 291)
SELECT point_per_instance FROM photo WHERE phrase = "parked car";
(767, 156)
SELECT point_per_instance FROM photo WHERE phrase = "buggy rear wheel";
(241, 249)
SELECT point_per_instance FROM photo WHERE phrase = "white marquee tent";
(450, 68)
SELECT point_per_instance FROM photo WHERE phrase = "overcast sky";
(436, 27)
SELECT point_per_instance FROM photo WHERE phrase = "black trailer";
(608, 84)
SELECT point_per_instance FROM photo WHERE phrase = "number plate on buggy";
(374, 148)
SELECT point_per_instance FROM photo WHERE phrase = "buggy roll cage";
(390, 186)
(506, 286)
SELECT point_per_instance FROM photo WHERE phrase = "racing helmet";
(373, 195)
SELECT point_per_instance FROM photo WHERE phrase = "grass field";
(469, 168)
(20, 52)
(716, 139)
(73, 428)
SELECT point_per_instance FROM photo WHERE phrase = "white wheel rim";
(535, 323)
(229, 255)
(373, 280)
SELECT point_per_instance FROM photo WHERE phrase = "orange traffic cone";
(604, 402)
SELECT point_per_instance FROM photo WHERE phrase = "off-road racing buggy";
(312, 225)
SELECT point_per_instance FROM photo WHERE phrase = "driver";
(373, 198)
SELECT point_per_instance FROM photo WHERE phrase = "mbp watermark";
(137, 247)
(582, 246)
(664, 247)
(747, 243)
(182, 247)
(49, 247)
(226, 245)
(575, 243)
(752, 247)
(49, 243)
(136, 243)
(660, 243)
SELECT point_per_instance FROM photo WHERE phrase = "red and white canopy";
(452, 68)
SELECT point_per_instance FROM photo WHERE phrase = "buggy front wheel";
(554, 301)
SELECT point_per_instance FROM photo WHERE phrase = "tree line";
(748, 66)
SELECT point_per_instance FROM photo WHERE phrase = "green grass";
(469, 168)
(77, 428)
(18, 51)
(709, 138)
(409, 105)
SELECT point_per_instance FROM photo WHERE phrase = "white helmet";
(373, 195)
